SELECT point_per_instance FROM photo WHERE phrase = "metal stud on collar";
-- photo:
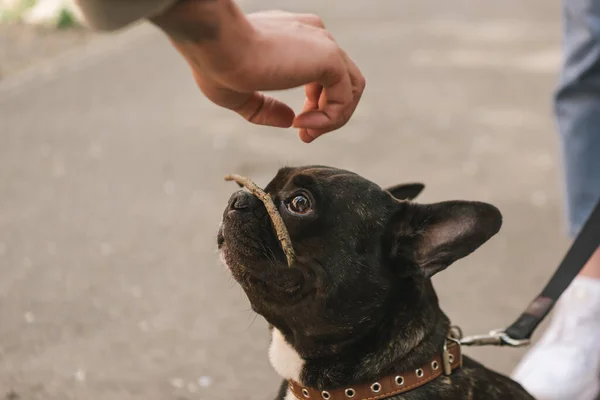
(325, 394)
(419, 373)
(376, 387)
(435, 365)
(305, 393)
(350, 393)
(399, 380)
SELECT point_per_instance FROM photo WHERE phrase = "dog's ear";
(406, 191)
(433, 236)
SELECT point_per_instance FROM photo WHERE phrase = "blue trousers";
(577, 108)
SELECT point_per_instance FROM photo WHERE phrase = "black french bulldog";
(358, 303)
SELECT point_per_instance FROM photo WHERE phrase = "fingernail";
(312, 119)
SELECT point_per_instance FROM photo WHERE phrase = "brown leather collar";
(445, 363)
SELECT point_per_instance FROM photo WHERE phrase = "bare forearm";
(110, 15)
(182, 20)
(233, 57)
(208, 33)
(194, 21)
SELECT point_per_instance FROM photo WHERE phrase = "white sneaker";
(565, 362)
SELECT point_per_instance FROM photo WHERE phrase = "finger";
(358, 86)
(335, 97)
(277, 15)
(304, 136)
(313, 93)
(266, 110)
(308, 135)
(311, 19)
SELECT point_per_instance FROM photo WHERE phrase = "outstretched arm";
(234, 58)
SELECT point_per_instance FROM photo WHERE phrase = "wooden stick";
(280, 228)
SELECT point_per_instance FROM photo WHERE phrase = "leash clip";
(494, 338)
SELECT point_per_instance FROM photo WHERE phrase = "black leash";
(519, 333)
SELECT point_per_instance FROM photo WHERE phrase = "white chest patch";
(289, 396)
(284, 359)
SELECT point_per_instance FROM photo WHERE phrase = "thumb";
(254, 107)
(266, 110)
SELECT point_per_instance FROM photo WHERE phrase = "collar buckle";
(448, 358)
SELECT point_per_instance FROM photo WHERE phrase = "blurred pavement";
(111, 190)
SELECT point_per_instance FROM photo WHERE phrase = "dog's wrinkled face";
(353, 241)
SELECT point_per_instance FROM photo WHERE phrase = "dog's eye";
(299, 205)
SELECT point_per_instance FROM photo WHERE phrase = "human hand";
(277, 50)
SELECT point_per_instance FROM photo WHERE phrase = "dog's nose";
(239, 201)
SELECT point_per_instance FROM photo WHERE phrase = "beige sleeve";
(108, 15)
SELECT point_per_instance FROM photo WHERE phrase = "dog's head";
(354, 242)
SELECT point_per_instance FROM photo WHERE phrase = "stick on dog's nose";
(278, 224)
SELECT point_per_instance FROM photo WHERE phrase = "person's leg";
(565, 363)
(592, 268)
